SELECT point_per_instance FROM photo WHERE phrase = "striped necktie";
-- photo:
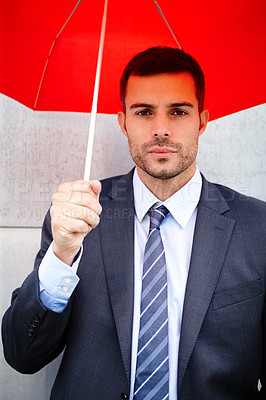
(152, 371)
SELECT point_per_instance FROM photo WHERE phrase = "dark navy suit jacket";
(223, 340)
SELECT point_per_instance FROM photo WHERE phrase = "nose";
(161, 127)
(161, 132)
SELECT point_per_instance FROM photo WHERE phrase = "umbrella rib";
(168, 26)
(50, 52)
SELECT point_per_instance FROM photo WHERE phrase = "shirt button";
(65, 289)
(67, 280)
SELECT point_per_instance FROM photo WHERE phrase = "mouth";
(161, 152)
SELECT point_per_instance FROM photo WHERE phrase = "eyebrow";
(152, 106)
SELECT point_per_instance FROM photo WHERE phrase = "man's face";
(162, 123)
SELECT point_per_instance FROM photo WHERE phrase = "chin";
(163, 173)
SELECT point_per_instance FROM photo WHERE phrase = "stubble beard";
(160, 168)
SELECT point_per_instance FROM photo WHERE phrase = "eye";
(179, 112)
(143, 113)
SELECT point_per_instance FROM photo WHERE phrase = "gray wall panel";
(39, 150)
(17, 251)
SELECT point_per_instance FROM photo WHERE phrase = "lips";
(161, 151)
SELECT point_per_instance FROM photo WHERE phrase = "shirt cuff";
(57, 280)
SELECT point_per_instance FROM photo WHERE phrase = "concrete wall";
(39, 150)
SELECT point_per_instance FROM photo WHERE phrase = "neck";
(165, 188)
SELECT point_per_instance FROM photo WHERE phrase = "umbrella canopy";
(228, 38)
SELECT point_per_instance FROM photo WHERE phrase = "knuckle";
(59, 197)
(54, 197)
(53, 211)
(95, 221)
(86, 186)
(100, 209)
(63, 187)
(84, 227)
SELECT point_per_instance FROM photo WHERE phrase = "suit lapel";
(117, 235)
(211, 239)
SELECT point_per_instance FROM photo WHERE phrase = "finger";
(80, 186)
(67, 189)
(81, 213)
(79, 199)
(70, 226)
(96, 186)
(66, 211)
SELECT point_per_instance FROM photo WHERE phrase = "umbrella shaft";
(95, 97)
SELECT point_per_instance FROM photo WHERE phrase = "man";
(92, 275)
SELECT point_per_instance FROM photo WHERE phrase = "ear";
(204, 118)
(122, 122)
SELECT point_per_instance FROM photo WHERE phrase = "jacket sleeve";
(32, 335)
(263, 372)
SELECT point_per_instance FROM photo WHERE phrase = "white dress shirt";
(58, 281)
(177, 231)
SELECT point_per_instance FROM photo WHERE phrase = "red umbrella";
(228, 38)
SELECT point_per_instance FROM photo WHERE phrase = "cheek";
(137, 127)
(133, 142)
(187, 132)
(136, 134)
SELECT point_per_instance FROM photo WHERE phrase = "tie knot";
(157, 215)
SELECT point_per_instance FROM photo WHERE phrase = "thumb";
(96, 187)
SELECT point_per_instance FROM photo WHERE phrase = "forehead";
(166, 86)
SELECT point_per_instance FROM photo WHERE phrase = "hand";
(74, 213)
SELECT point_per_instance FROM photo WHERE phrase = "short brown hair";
(157, 60)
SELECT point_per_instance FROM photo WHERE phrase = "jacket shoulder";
(235, 198)
(247, 210)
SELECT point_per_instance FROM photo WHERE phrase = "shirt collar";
(181, 204)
